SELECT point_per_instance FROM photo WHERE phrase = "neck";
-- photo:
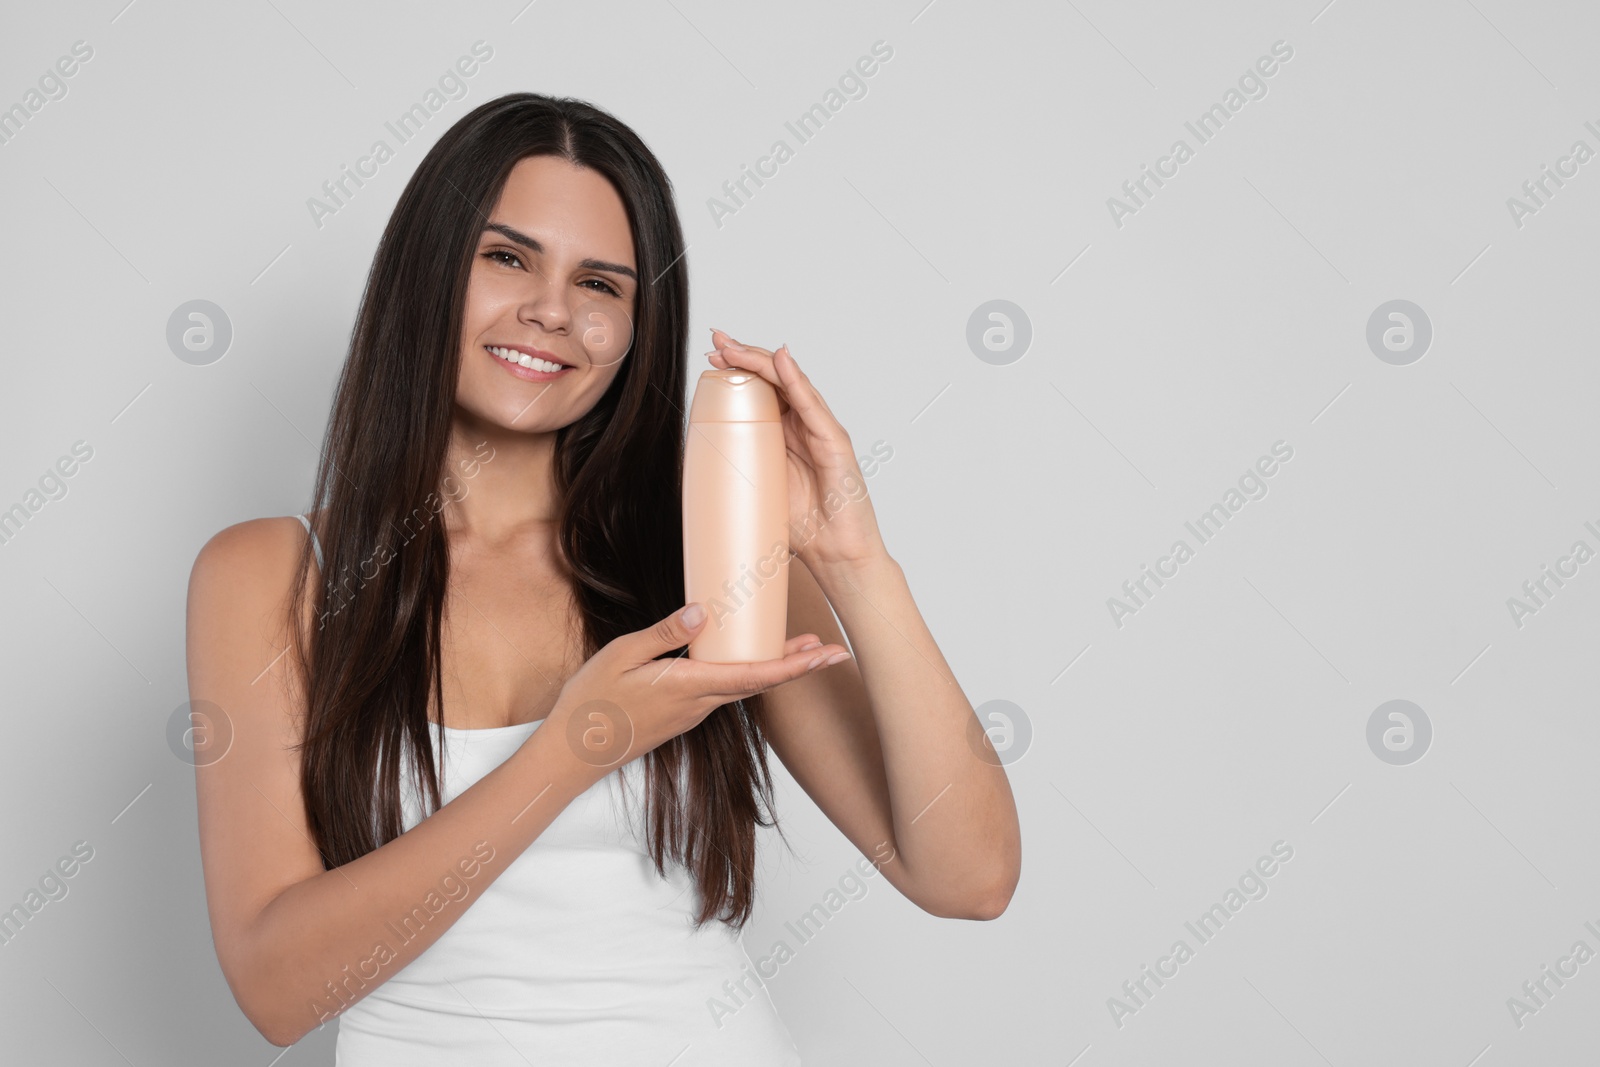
(499, 482)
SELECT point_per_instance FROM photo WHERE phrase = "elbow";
(977, 907)
(994, 904)
(278, 1036)
(285, 1036)
(272, 1014)
(267, 974)
(270, 1023)
(283, 1019)
(984, 889)
(983, 904)
(991, 904)
(280, 1027)
(996, 897)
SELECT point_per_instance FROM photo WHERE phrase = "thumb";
(674, 631)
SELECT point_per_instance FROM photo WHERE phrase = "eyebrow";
(527, 242)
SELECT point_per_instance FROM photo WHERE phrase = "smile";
(524, 366)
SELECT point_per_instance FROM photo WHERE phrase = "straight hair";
(373, 667)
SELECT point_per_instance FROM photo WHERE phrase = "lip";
(528, 373)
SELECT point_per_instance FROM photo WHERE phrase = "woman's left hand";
(832, 522)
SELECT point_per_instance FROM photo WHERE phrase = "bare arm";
(298, 943)
(884, 745)
(888, 746)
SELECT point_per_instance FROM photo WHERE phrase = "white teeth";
(513, 356)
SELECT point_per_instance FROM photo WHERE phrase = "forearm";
(954, 817)
(324, 943)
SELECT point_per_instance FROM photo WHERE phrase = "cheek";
(487, 298)
(605, 331)
(495, 285)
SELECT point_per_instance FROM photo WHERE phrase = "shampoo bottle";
(735, 514)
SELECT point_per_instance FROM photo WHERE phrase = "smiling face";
(553, 282)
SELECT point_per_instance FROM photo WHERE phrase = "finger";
(815, 415)
(674, 631)
(734, 680)
(722, 339)
(718, 359)
(748, 358)
(802, 643)
(802, 394)
(732, 348)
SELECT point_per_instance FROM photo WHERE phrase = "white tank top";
(578, 954)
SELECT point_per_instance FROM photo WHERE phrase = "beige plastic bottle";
(735, 515)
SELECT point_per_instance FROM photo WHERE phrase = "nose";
(545, 306)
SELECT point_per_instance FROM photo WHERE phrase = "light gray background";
(1167, 355)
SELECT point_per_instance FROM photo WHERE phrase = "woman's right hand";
(624, 701)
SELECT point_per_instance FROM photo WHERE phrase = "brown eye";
(490, 255)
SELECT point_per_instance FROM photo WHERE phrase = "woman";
(487, 614)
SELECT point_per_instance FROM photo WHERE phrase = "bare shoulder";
(245, 572)
(254, 555)
(251, 548)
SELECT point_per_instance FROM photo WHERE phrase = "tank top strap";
(315, 544)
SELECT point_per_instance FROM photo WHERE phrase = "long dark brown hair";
(375, 657)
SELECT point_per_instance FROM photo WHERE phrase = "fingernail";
(694, 614)
(815, 663)
(838, 657)
(809, 647)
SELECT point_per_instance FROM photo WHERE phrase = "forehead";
(563, 204)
